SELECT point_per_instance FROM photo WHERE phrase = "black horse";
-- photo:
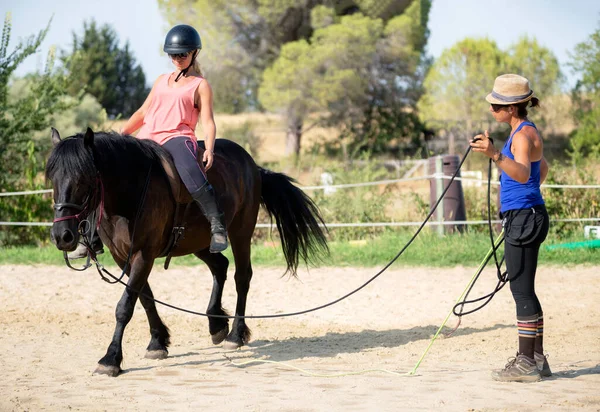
(112, 175)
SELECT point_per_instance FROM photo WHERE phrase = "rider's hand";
(207, 159)
(482, 143)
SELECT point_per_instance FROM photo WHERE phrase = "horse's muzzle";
(65, 240)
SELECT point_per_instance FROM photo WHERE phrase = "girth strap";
(177, 233)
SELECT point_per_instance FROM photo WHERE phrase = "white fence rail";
(362, 184)
(358, 224)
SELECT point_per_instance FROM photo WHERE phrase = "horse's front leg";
(159, 333)
(110, 364)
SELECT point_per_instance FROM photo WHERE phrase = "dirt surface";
(56, 325)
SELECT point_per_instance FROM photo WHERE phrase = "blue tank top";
(515, 195)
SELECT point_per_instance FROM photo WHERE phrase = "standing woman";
(524, 218)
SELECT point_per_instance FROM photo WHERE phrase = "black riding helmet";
(183, 39)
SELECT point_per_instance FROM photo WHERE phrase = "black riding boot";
(206, 199)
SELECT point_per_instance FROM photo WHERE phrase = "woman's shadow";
(575, 373)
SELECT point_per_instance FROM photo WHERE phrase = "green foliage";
(538, 64)
(476, 205)
(365, 204)
(572, 203)
(22, 115)
(313, 77)
(26, 208)
(383, 118)
(321, 17)
(361, 71)
(99, 66)
(586, 97)
(459, 80)
(81, 112)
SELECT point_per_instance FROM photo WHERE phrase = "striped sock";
(539, 335)
(527, 327)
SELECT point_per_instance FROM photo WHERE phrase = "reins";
(86, 240)
(102, 271)
(379, 273)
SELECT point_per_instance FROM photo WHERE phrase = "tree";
(530, 59)
(97, 65)
(585, 62)
(460, 79)
(361, 73)
(540, 66)
(22, 115)
(314, 77)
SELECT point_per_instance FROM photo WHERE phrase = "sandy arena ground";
(56, 324)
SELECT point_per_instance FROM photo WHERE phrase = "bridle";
(85, 218)
(86, 228)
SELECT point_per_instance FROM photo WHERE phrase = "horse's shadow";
(326, 346)
(334, 343)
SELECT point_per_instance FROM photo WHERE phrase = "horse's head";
(73, 174)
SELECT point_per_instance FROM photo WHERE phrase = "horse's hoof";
(156, 354)
(219, 336)
(231, 345)
(111, 371)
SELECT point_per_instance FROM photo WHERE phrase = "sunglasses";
(497, 107)
(179, 55)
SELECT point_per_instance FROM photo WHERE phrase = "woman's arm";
(137, 119)
(520, 168)
(544, 167)
(208, 121)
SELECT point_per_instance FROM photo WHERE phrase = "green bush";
(572, 203)
(365, 204)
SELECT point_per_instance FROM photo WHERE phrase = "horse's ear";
(55, 136)
(88, 137)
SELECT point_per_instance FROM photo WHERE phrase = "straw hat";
(510, 89)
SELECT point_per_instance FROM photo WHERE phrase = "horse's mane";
(111, 153)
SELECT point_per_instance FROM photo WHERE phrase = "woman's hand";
(482, 144)
(207, 159)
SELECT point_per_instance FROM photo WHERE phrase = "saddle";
(183, 202)
(180, 192)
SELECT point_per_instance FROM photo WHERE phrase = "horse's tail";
(297, 219)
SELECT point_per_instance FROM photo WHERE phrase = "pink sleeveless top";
(171, 112)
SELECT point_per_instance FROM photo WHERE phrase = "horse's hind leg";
(159, 333)
(240, 333)
(218, 264)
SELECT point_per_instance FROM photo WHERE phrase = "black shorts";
(524, 227)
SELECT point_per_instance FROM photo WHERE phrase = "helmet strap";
(184, 71)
